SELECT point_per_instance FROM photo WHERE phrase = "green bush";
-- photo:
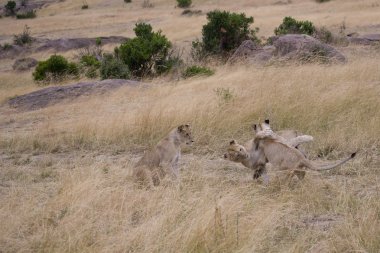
(322, 1)
(197, 70)
(7, 46)
(10, 8)
(127, 1)
(224, 31)
(291, 26)
(112, 67)
(56, 67)
(147, 53)
(89, 61)
(28, 14)
(24, 37)
(183, 3)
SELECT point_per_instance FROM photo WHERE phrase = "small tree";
(56, 68)
(24, 37)
(225, 31)
(147, 53)
(184, 3)
(291, 26)
(10, 8)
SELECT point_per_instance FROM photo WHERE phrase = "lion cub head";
(185, 135)
(236, 152)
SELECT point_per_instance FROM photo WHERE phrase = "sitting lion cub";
(168, 150)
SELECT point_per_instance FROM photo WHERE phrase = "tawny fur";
(151, 169)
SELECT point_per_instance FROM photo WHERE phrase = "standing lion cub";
(149, 169)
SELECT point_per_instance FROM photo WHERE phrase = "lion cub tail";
(330, 166)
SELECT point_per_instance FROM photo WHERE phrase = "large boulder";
(253, 52)
(297, 47)
(366, 39)
(53, 95)
(305, 47)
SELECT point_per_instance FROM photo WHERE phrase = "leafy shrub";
(84, 6)
(7, 46)
(56, 68)
(127, 1)
(10, 8)
(89, 60)
(291, 26)
(322, 1)
(98, 42)
(24, 37)
(197, 70)
(223, 32)
(90, 65)
(112, 67)
(147, 53)
(183, 3)
(28, 14)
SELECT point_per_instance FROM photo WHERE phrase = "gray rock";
(366, 39)
(297, 47)
(304, 47)
(53, 95)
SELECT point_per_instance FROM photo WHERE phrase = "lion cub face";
(185, 135)
(236, 152)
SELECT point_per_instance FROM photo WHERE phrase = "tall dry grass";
(65, 171)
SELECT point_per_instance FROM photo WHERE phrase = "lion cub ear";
(266, 121)
(232, 142)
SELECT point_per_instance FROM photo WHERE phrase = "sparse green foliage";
(90, 65)
(7, 46)
(89, 60)
(10, 8)
(84, 5)
(113, 67)
(224, 31)
(224, 95)
(24, 37)
(291, 26)
(197, 70)
(184, 3)
(98, 42)
(147, 53)
(28, 14)
(56, 68)
(324, 35)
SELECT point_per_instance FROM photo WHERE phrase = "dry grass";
(66, 170)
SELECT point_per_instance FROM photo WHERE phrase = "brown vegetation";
(66, 170)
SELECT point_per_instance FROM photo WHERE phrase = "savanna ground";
(65, 177)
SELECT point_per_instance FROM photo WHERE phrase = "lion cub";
(168, 150)
(252, 157)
